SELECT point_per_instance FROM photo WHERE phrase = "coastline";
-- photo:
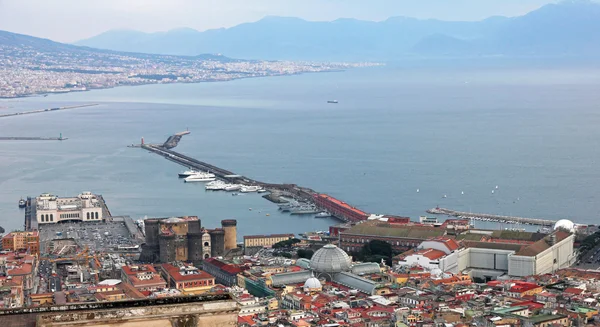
(37, 94)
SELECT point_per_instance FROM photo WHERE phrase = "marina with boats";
(492, 218)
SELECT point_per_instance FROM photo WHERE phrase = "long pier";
(47, 110)
(289, 190)
(491, 217)
(32, 138)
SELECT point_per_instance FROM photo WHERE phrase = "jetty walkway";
(33, 138)
(492, 218)
(287, 190)
(21, 113)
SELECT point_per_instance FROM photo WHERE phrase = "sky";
(73, 20)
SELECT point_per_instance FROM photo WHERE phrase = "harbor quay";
(493, 218)
(38, 111)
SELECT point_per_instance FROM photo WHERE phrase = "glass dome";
(330, 259)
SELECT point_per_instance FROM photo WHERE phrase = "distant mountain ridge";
(567, 28)
(10, 39)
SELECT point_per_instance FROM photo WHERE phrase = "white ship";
(217, 185)
(200, 177)
(323, 214)
(188, 173)
(232, 187)
(248, 189)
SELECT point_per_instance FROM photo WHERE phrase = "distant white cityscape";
(28, 70)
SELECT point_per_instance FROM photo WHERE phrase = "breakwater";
(32, 138)
(278, 191)
(491, 217)
(39, 111)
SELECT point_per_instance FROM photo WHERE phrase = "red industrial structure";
(339, 208)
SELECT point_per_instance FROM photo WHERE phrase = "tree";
(286, 243)
(307, 254)
(374, 251)
(283, 254)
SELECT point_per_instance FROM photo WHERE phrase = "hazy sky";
(71, 20)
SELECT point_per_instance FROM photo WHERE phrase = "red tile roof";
(229, 268)
(176, 274)
(432, 254)
(450, 243)
(521, 287)
(572, 290)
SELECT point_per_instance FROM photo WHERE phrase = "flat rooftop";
(97, 236)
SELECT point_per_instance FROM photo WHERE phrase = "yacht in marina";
(200, 177)
(232, 187)
(217, 185)
(249, 189)
(188, 173)
(323, 214)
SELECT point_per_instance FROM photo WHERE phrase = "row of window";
(69, 215)
(47, 218)
(197, 283)
(362, 240)
(92, 215)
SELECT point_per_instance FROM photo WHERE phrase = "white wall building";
(50, 209)
(490, 260)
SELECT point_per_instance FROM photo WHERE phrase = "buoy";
(268, 214)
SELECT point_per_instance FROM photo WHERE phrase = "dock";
(277, 191)
(31, 138)
(39, 111)
(492, 218)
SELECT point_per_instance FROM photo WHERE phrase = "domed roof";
(312, 283)
(330, 259)
(566, 224)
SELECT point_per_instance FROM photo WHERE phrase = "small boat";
(22, 203)
(492, 191)
(188, 173)
(262, 190)
(496, 186)
(417, 190)
(249, 189)
(445, 196)
(462, 193)
(323, 214)
(234, 194)
(304, 210)
(332, 101)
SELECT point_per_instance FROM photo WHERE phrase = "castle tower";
(230, 228)
(206, 245)
(217, 241)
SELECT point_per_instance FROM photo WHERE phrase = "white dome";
(437, 272)
(566, 224)
(312, 283)
(330, 259)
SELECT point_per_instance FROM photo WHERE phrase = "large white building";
(50, 209)
(490, 260)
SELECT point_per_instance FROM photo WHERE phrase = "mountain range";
(565, 29)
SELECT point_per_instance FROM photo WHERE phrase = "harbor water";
(451, 132)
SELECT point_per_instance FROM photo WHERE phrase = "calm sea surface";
(534, 132)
